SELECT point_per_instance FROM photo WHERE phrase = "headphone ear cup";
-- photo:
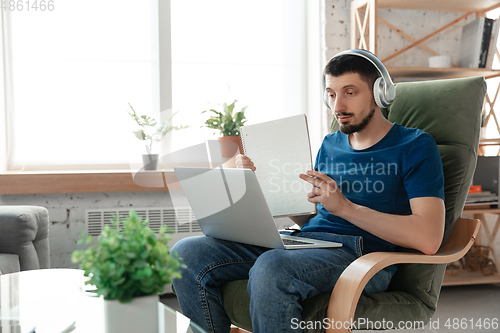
(325, 98)
(325, 94)
(378, 90)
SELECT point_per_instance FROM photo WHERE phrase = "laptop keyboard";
(287, 241)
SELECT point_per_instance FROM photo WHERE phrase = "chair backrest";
(449, 110)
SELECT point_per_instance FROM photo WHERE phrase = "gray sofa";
(24, 238)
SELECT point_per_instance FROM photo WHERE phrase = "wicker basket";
(477, 259)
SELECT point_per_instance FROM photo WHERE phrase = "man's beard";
(352, 128)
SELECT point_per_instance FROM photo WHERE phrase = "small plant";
(150, 129)
(129, 260)
(225, 122)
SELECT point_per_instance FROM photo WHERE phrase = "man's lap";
(215, 261)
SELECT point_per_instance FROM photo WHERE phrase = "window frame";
(161, 69)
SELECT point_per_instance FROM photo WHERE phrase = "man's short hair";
(347, 63)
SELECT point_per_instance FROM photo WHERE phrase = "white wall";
(67, 214)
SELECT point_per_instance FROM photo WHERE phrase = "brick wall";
(415, 23)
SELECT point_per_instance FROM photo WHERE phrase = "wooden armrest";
(353, 280)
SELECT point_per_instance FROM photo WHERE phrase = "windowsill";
(33, 182)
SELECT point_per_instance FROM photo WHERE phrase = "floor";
(460, 309)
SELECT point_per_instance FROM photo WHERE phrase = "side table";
(53, 300)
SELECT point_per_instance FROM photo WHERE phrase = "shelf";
(470, 210)
(466, 278)
(441, 73)
(489, 142)
(437, 5)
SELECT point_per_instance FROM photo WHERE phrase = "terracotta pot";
(235, 139)
(228, 150)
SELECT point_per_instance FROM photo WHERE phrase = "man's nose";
(338, 105)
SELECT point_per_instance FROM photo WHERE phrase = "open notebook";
(280, 150)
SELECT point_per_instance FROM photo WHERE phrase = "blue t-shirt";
(405, 164)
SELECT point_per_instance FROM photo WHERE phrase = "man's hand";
(422, 230)
(244, 162)
(325, 191)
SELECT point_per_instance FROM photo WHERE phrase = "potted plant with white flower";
(152, 131)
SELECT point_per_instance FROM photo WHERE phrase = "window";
(226, 50)
(74, 69)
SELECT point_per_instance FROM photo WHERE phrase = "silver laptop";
(229, 204)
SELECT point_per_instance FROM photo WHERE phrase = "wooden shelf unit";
(465, 277)
(364, 20)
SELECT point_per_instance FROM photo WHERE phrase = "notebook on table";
(229, 204)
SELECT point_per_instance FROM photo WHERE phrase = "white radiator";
(180, 220)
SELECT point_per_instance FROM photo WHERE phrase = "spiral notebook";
(280, 150)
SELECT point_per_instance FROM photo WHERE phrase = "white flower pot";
(140, 315)
(150, 161)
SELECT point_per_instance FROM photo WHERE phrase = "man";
(377, 185)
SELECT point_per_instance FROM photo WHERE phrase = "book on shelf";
(481, 198)
(475, 43)
(493, 44)
(475, 189)
(280, 151)
(486, 176)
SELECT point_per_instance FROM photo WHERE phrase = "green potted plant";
(228, 123)
(150, 130)
(129, 266)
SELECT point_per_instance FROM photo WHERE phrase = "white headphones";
(384, 90)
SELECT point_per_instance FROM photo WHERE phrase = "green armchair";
(449, 110)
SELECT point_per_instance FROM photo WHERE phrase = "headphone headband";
(384, 90)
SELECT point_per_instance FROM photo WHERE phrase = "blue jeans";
(278, 279)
